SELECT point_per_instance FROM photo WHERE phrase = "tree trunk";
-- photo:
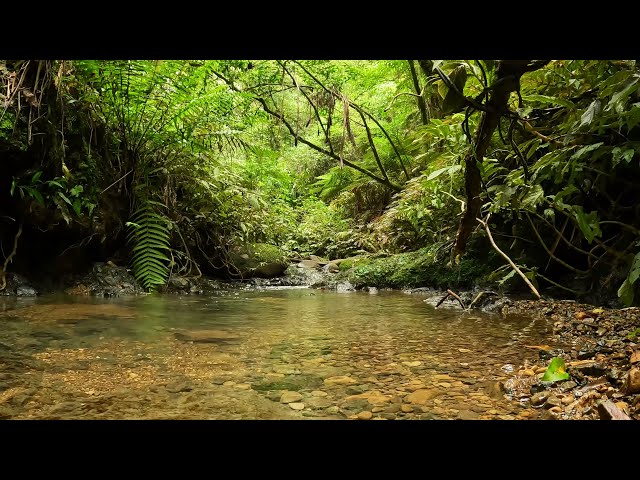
(422, 105)
(508, 75)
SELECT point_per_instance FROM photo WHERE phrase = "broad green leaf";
(618, 154)
(533, 198)
(555, 371)
(548, 99)
(586, 149)
(619, 98)
(506, 277)
(64, 197)
(77, 206)
(36, 176)
(35, 194)
(625, 292)
(53, 182)
(588, 223)
(591, 112)
(450, 169)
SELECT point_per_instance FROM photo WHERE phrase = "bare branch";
(485, 224)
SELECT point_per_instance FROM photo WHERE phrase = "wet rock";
(344, 287)
(178, 283)
(568, 385)
(331, 268)
(552, 401)
(178, 387)
(26, 291)
(296, 406)
(592, 370)
(552, 414)
(632, 384)
(357, 389)
(540, 398)
(285, 369)
(468, 415)
(110, 280)
(395, 408)
(19, 285)
(289, 397)
(318, 402)
(339, 380)
(318, 393)
(586, 354)
(309, 264)
(610, 411)
(420, 397)
(406, 408)
(365, 415)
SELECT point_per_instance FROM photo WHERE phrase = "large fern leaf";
(149, 235)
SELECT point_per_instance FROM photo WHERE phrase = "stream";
(274, 353)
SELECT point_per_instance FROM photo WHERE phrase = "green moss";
(416, 269)
(292, 383)
(634, 334)
(265, 253)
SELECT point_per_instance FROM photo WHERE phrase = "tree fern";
(149, 235)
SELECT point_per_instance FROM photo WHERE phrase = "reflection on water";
(232, 354)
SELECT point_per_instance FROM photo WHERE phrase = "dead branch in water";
(451, 294)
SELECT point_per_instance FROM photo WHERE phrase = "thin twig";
(485, 224)
(550, 253)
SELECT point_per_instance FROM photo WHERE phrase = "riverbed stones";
(205, 336)
(422, 396)
(339, 380)
(632, 384)
(365, 415)
(296, 405)
(290, 397)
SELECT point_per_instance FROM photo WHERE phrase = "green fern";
(149, 235)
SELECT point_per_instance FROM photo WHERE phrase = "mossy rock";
(259, 260)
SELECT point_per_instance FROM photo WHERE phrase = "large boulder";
(259, 260)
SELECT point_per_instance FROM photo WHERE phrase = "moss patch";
(292, 383)
(416, 269)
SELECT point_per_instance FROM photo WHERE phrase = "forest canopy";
(172, 166)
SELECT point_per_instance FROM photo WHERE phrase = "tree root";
(3, 270)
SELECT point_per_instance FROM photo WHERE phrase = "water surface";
(231, 355)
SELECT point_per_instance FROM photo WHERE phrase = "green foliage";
(416, 269)
(625, 292)
(149, 237)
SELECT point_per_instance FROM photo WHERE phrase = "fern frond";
(149, 234)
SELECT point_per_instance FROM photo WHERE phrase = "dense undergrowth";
(173, 166)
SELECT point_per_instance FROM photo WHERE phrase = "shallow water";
(231, 355)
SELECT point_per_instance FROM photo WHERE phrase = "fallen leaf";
(635, 357)
(597, 311)
(582, 315)
(556, 371)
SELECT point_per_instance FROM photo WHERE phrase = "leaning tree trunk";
(507, 80)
